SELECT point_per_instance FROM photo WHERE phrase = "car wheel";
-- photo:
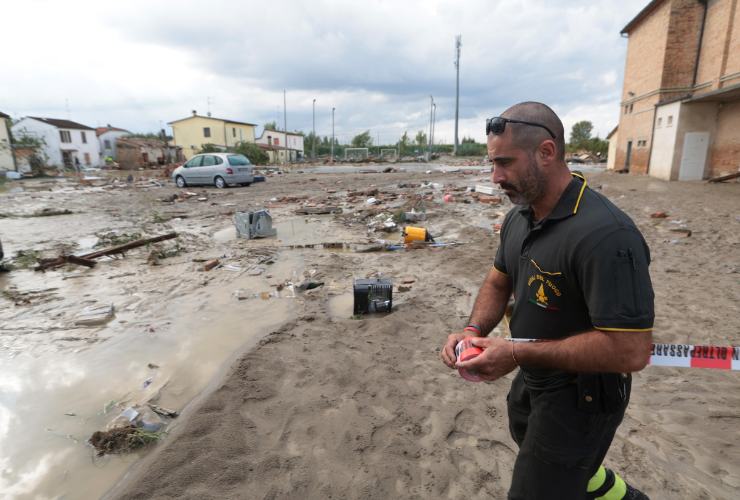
(180, 181)
(219, 182)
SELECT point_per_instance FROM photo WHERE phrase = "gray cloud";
(376, 61)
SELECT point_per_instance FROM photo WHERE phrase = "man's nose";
(497, 176)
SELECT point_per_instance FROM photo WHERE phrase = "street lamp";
(332, 134)
(431, 117)
(313, 140)
(434, 123)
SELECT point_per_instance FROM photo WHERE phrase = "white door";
(694, 157)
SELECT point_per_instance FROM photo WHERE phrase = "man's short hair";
(528, 137)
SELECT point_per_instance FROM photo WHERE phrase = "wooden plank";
(86, 260)
(80, 261)
(128, 246)
(723, 178)
(317, 210)
(211, 264)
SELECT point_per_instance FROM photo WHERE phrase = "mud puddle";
(59, 384)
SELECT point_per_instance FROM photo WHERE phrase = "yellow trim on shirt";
(499, 270)
(544, 272)
(580, 195)
(623, 329)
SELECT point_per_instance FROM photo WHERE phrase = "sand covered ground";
(324, 405)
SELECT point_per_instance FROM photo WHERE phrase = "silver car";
(217, 169)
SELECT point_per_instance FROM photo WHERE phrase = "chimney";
(195, 112)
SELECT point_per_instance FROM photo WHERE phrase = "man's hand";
(447, 354)
(494, 362)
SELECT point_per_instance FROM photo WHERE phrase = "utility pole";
(285, 124)
(431, 116)
(332, 134)
(313, 140)
(458, 44)
(434, 123)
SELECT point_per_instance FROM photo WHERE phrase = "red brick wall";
(732, 64)
(713, 44)
(724, 155)
(642, 76)
(682, 43)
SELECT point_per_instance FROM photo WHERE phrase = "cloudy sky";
(140, 64)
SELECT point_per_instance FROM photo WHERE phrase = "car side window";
(209, 161)
(218, 159)
(194, 162)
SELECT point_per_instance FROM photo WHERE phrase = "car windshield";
(236, 160)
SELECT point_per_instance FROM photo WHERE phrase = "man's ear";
(547, 151)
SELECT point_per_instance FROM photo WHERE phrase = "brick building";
(680, 109)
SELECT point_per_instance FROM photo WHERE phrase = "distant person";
(578, 269)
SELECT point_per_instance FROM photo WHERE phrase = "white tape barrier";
(689, 356)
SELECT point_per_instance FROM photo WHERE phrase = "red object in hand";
(465, 350)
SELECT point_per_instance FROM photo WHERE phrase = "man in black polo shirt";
(578, 270)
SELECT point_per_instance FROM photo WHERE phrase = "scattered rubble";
(95, 315)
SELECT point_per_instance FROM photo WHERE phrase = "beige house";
(193, 132)
(680, 109)
(7, 161)
(611, 155)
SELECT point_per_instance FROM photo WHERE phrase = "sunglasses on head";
(497, 125)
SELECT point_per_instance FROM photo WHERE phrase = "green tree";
(271, 125)
(210, 148)
(362, 140)
(468, 140)
(598, 147)
(252, 151)
(403, 143)
(421, 138)
(308, 143)
(38, 160)
(580, 135)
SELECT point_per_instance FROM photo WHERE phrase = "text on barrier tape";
(689, 356)
(696, 356)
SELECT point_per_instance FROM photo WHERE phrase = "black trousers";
(561, 443)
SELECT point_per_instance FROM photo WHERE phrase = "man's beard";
(529, 188)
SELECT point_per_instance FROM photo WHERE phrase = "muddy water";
(60, 383)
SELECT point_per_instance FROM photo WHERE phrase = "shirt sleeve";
(499, 262)
(616, 282)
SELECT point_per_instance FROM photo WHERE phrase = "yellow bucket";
(411, 233)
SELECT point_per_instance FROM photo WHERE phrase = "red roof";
(102, 130)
